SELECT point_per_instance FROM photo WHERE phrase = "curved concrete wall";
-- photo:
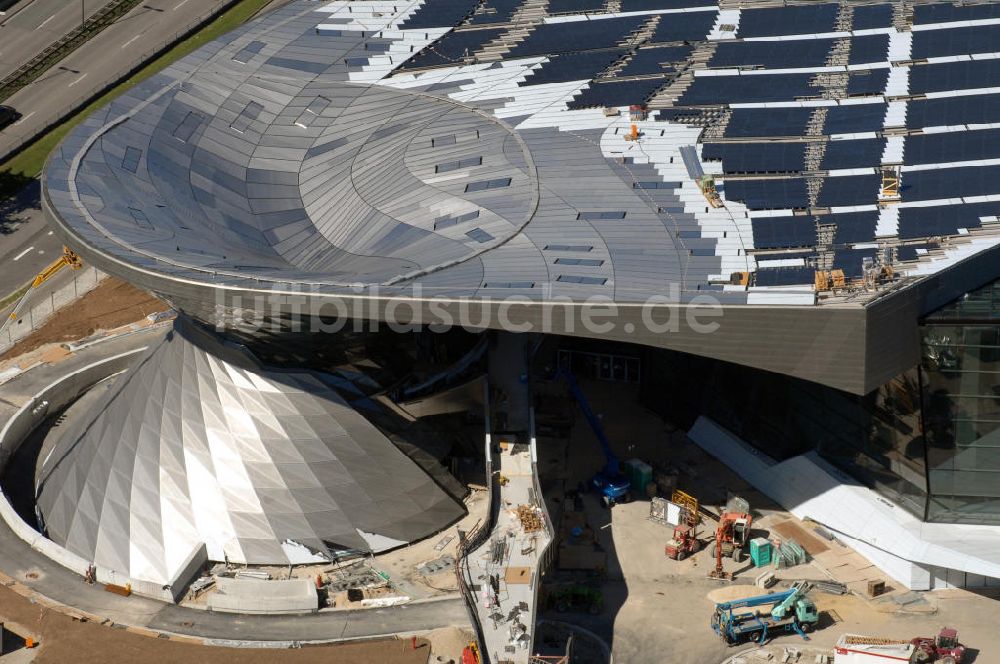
(52, 398)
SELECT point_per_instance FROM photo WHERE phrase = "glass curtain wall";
(960, 369)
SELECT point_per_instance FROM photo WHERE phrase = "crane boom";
(611, 462)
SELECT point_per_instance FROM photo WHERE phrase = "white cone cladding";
(197, 443)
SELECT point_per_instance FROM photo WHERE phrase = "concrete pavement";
(103, 60)
(39, 574)
(31, 25)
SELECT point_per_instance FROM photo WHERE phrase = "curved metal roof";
(478, 150)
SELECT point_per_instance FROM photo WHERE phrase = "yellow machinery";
(68, 257)
(740, 279)
(706, 183)
(889, 190)
(832, 280)
(633, 134)
(688, 502)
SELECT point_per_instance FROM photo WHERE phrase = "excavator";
(731, 538)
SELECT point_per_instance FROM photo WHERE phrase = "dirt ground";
(656, 610)
(63, 639)
(112, 304)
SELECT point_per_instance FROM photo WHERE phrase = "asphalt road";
(31, 25)
(104, 59)
(27, 245)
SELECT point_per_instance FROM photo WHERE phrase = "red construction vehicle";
(942, 649)
(731, 538)
(683, 543)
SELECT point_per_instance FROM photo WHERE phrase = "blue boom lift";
(613, 486)
(792, 612)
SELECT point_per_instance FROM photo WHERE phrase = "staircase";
(840, 54)
(845, 18)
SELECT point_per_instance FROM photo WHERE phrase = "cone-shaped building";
(199, 443)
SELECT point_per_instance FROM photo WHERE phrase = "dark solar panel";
(773, 55)
(770, 194)
(910, 252)
(451, 48)
(951, 183)
(583, 65)
(577, 36)
(854, 118)
(852, 260)
(960, 75)
(869, 48)
(872, 16)
(852, 226)
(795, 20)
(757, 157)
(917, 222)
(575, 6)
(495, 11)
(756, 88)
(944, 13)
(785, 276)
(439, 14)
(853, 154)
(867, 82)
(655, 60)
(955, 41)
(848, 190)
(687, 26)
(953, 146)
(617, 93)
(749, 122)
(974, 109)
(783, 232)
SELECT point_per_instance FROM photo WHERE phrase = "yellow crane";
(68, 258)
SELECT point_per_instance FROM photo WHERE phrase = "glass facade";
(929, 439)
(960, 369)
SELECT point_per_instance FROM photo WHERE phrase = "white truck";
(857, 649)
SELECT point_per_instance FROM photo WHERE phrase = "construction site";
(517, 332)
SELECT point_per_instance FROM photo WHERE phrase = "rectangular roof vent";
(130, 162)
(594, 215)
(456, 165)
(249, 113)
(591, 262)
(483, 185)
(479, 235)
(312, 111)
(188, 126)
(454, 220)
(576, 279)
(509, 284)
(244, 55)
(140, 218)
(656, 185)
(568, 247)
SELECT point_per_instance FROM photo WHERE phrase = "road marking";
(76, 81)
(23, 253)
(45, 21)
(131, 40)
(49, 233)
(25, 118)
(181, 4)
